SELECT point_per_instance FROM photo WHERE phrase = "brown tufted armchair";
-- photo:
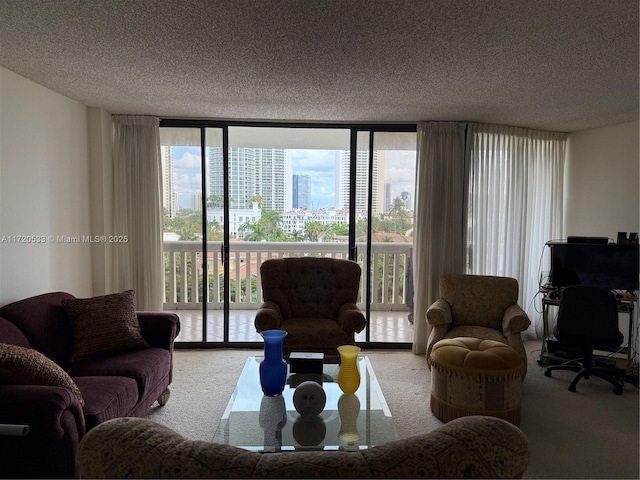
(314, 300)
(479, 306)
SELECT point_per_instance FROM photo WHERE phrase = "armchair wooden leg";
(164, 397)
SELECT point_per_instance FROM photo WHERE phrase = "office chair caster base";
(547, 373)
(572, 388)
(617, 391)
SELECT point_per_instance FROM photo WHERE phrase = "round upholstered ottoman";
(470, 376)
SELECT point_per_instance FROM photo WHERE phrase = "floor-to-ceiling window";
(237, 194)
(385, 185)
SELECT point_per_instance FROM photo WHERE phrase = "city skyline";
(321, 166)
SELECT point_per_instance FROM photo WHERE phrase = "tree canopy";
(269, 226)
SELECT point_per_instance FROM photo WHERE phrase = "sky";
(187, 176)
(320, 165)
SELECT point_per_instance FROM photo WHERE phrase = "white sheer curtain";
(137, 185)
(515, 204)
(439, 228)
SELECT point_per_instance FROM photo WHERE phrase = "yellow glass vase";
(348, 375)
(348, 409)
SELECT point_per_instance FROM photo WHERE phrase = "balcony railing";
(185, 289)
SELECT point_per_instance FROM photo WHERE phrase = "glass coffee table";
(254, 421)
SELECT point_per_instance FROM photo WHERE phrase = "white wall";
(602, 181)
(602, 187)
(44, 191)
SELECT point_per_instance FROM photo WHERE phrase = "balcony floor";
(388, 327)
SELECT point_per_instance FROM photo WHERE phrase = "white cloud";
(399, 174)
(400, 168)
(186, 183)
(188, 160)
(313, 162)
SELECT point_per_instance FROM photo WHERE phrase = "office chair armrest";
(439, 313)
(351, 318)
(515, 320)
(268, 317)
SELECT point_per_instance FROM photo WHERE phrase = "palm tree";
(215, 201)
(215, 230)
(252, 231)
(399, 215)
(296, 236)
(266, 228)
(312, 230)
(257, 199)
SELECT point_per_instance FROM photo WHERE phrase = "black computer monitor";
(596, 240)
(610, 266)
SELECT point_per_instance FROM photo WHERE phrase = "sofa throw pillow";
(26, 366)
(103, 325)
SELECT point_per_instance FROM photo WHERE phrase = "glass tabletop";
(268, 424)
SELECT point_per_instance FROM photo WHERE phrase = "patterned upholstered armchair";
(314, 300)
(468, 447)
(478, 306)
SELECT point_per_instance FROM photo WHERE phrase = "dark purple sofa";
(118, 385)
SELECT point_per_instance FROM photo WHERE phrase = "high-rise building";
(362, 181)
(272, 178)
(252, 172)
(195, 201)
(406, 200)
(387, 197)
(169, 196)
(241, 176)
(377, 191)
(300, 189)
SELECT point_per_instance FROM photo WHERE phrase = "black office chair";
(588, 320)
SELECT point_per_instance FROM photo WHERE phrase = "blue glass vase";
(273, 369)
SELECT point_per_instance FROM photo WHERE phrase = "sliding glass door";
(384, 189)
(237, 195)
(193, 234)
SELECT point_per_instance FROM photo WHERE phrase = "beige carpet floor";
(591, 433)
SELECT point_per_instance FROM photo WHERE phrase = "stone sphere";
(309, 399)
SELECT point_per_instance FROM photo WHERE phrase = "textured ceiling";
(558, 65)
